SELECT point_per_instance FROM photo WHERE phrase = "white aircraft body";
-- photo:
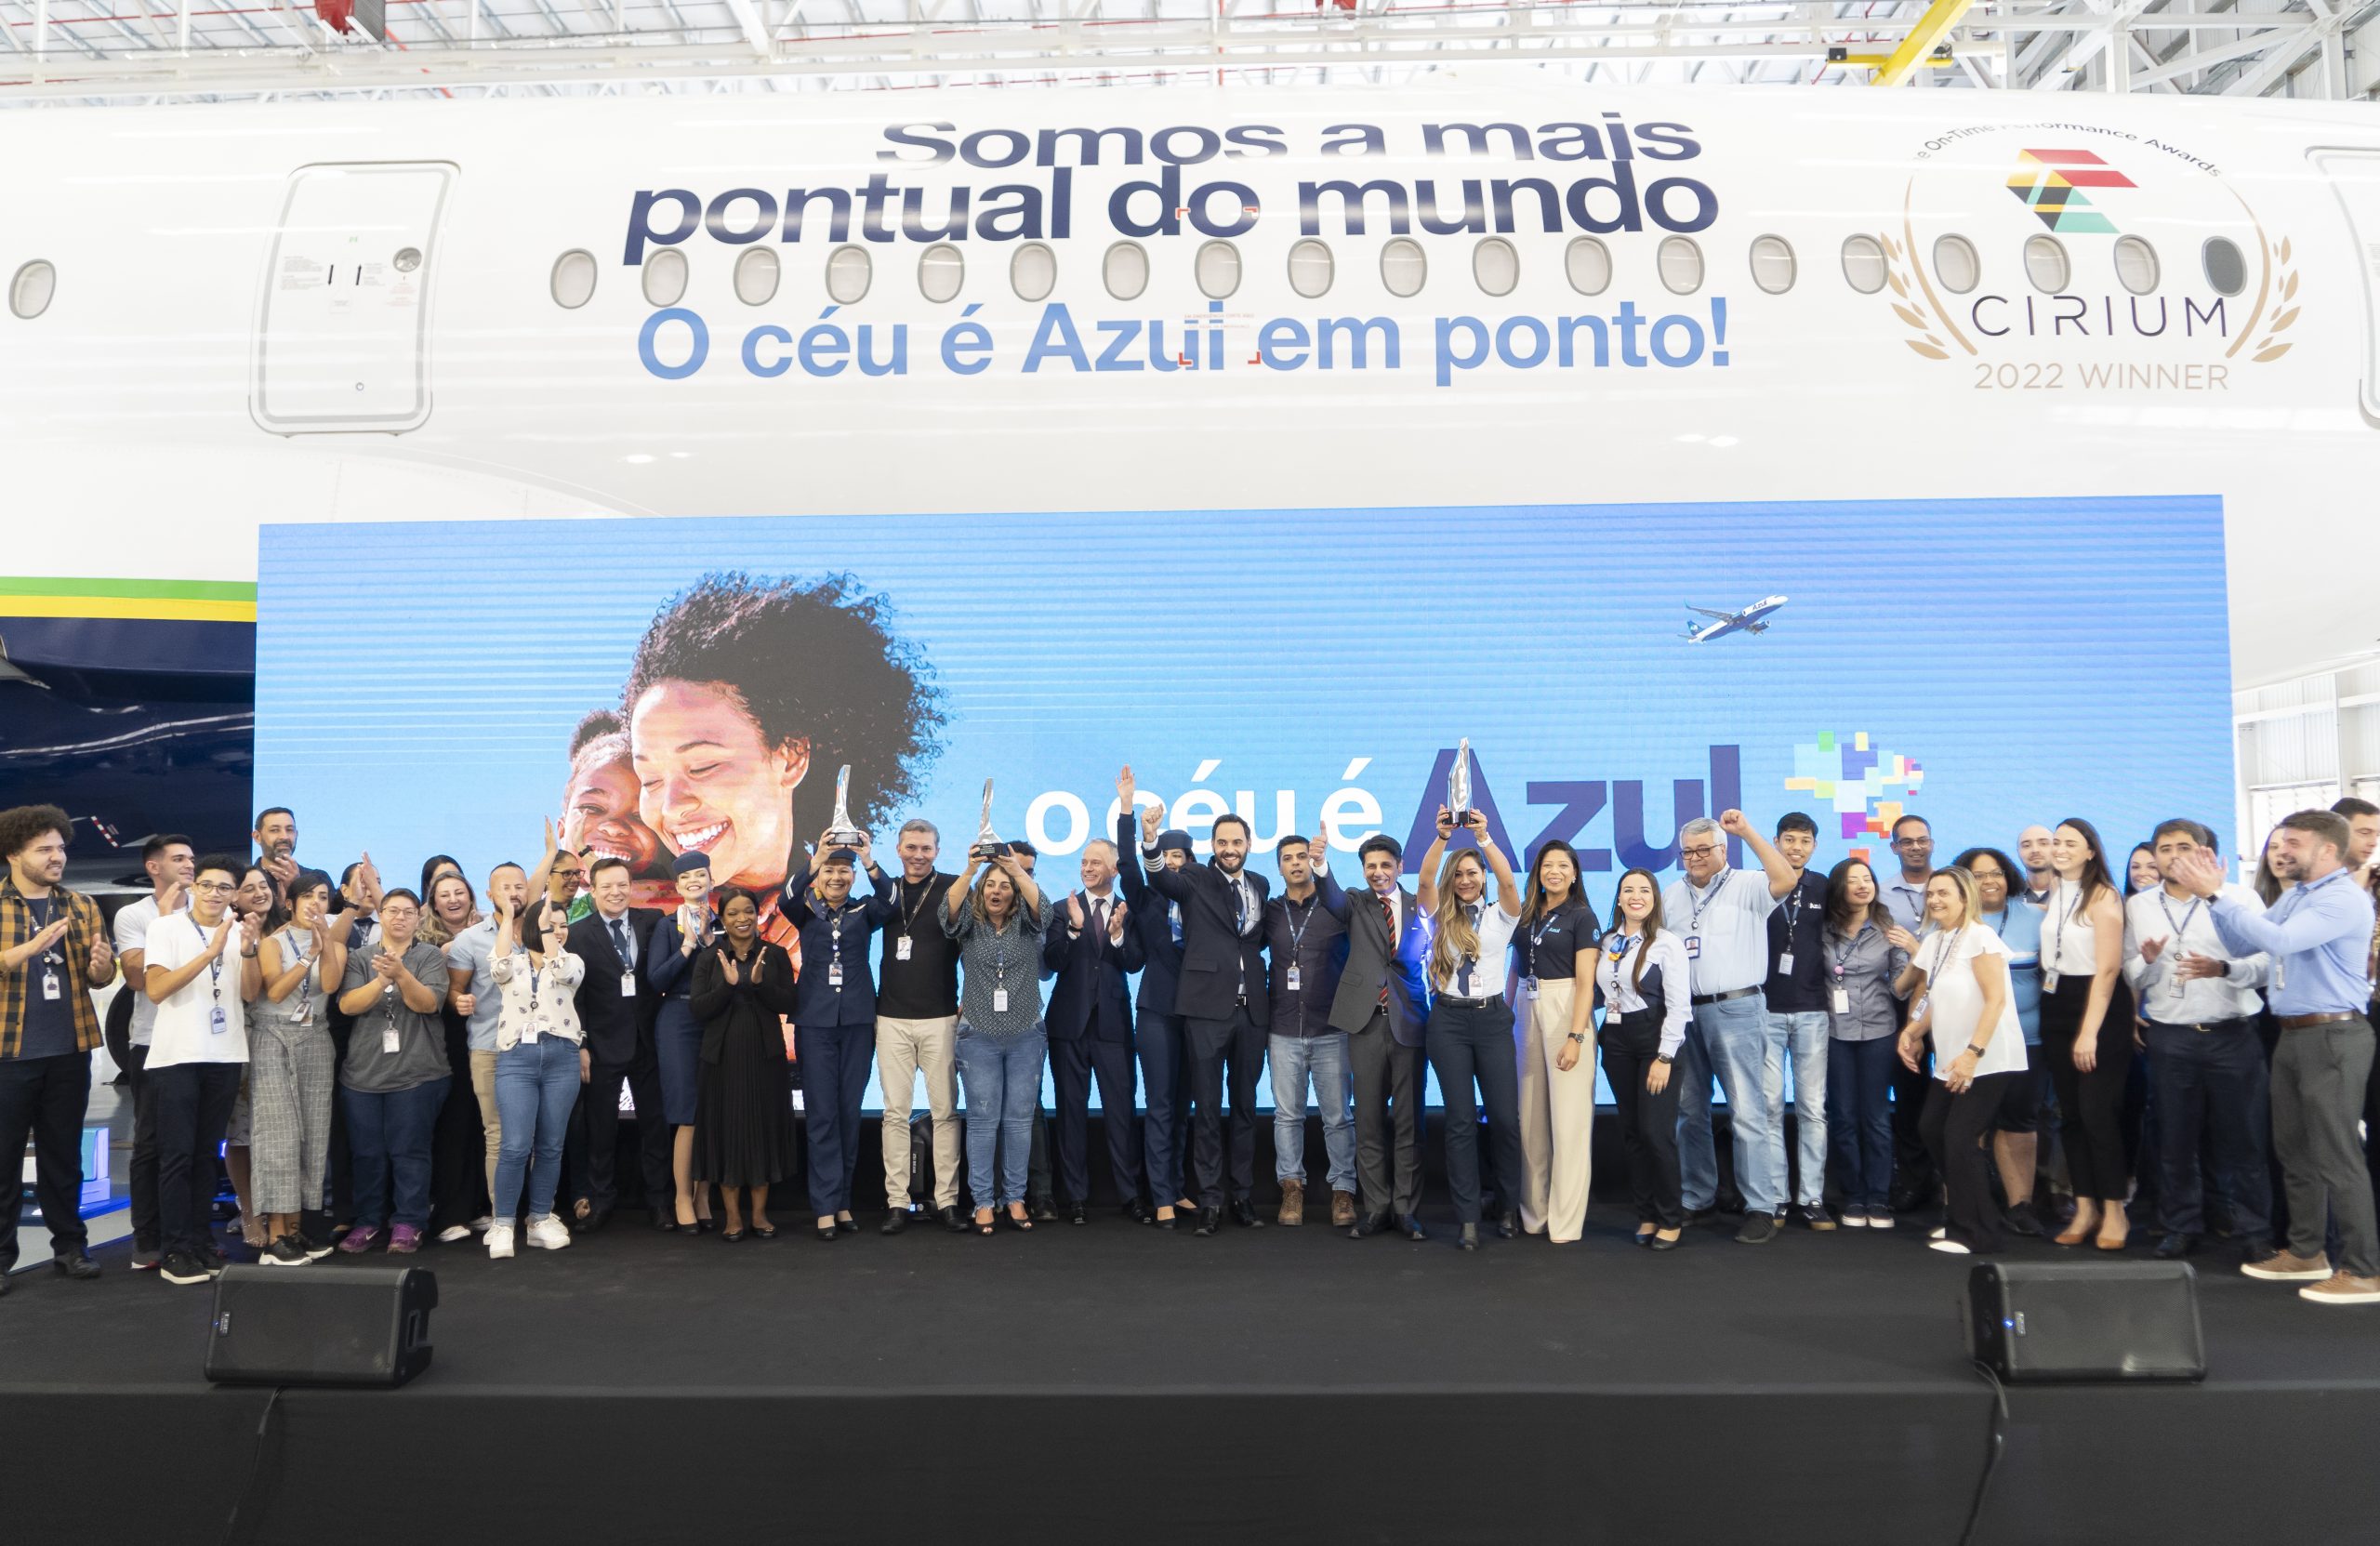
(1750, 620)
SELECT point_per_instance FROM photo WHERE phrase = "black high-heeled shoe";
(985, 1226)
(702, 1227)
(1022, 1226)
(762, 1232)
(731, 1237)
(829, 1231)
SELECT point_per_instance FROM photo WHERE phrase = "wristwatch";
(1664, 1059)
(1976, 1050)
(1578, 1036)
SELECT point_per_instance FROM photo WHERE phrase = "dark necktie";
(1098, 917)
(1462, 975)
(620, 944)
(1388, 911)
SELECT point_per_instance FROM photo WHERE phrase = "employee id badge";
(305, 1008)
(2049, 982)
(1294, 978)
(901, 948)
(1694, 947)
(216, 1020)
(1529, 987)
(530, 1032)
(999, 1000)
(1785, 964)
(627, 984)
(1842, 1000)
(50, 985)
(834, 973)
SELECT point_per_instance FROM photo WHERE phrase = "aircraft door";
(2354, 176)
(342, 329)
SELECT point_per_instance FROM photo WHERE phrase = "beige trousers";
(1557, 1115)
(483, 1085)
(903, 1050)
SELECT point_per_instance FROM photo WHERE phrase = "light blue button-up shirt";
(2317, 937)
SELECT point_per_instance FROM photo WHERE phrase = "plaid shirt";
(16, 928)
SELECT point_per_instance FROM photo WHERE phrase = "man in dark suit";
(1220, 995)
(616, 1008)
(1382, 1004)
(1091, 946)
(1157, 923)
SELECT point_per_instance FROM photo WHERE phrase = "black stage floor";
(1282, 1383)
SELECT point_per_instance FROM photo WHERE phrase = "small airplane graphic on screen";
(1747, 621)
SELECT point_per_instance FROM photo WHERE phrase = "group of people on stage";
(1930, 1015)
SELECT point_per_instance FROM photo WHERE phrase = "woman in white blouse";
(1470, 1033)
(1969, 1009)
(1641, 982)
(538, 1070)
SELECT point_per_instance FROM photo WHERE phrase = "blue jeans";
(1731, 1039)
(1001, 1078)
(1804, 1033)
(389, 1139)
(536, 1083)
(1323, 1057)
(1860, 1087)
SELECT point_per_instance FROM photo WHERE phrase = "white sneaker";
(1950, 1246)
(500, 1242)
(453, 1233)
(483, 1224)
(549, 1234)
(1940, 1232)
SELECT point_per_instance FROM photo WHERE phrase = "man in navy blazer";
(1383, 1005)
(617, 1004)
(1091, 948)
(1157, 924)
(1220, 995)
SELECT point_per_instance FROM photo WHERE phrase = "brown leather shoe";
(1293, 1202)
(1342, 1210)
(2284, 1266)
(2340, 1288)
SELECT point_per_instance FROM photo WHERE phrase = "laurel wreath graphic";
(2285, 297)
(1926, 341)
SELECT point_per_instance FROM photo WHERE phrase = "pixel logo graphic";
(1861, 784)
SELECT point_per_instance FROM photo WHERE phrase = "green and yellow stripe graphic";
(176, 600)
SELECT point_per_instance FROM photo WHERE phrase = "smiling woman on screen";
(740, 687)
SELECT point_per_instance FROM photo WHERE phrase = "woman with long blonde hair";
(1470, 1034)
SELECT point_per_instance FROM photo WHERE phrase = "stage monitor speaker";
(321, 1325)
(2037, 1322)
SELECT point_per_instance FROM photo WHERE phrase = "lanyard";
(1536, 936)
(909, 914)
(1942, 957)
(2288, 904)
(1792, 914)
(999, 955)
(1297, 931)
(2057, 939)
(1614, 957)
(2188, 914)
(215, 967)
(41, 921)
(1843, 956)
(1695, 920)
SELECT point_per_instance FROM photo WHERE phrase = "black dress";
(744, 1112)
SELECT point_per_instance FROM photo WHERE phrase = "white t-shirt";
(1957, 1000)
(184, 1029)
(132, 927)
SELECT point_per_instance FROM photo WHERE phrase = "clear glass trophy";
(843, 832)
(988, 842)
(1458, 785)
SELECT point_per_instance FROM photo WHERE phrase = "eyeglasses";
(1913, 842)
(214, 888)
(1702, 850)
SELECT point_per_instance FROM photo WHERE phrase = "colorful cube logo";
(1866, 787)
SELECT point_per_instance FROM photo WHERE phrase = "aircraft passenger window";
(1217, 268)
(2226, 270)
(1310, 269)
(849, 273)
(1863, 264)
(1033, 273)
(1125, 270)
(1772, 264)
(2045, 264)
(2136, 265)
(1404, 268)
(29, 293)
(665, 277)
(940, 272)
(1495, 266)
(1680, 262)
(1588, 265)
(1956, 265)
(756, 272)
(574, 280)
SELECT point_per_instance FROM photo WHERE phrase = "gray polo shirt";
(471, 958)
(1725, 926)
(370, 1068)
